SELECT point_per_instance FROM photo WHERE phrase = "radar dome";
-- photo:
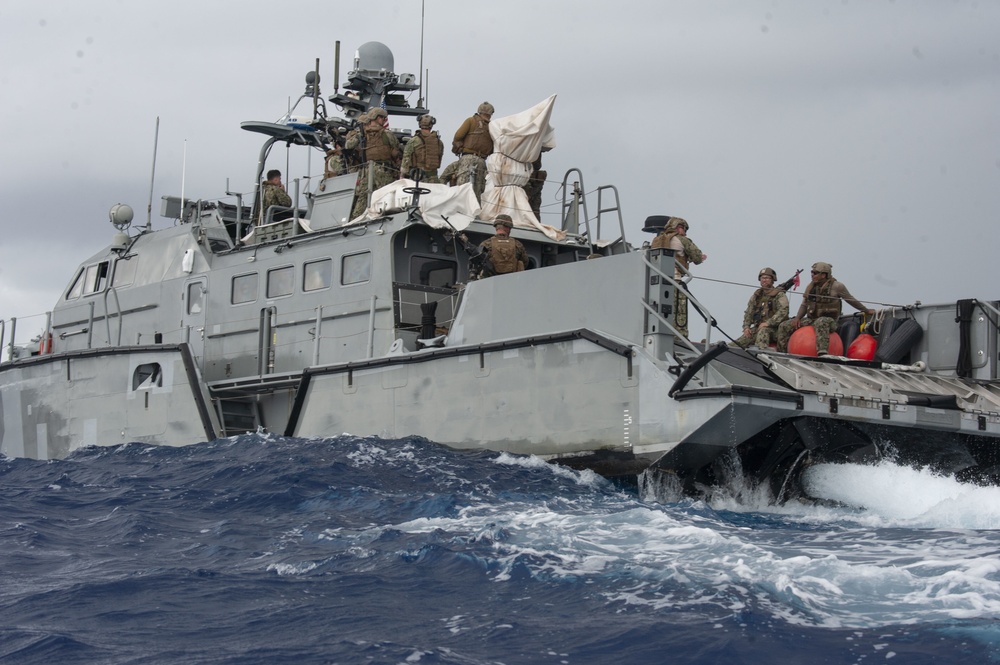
(373, 57)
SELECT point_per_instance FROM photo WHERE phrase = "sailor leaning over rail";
(674, 236)
(821, 307)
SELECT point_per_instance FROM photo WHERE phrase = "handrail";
(708, 316)
(118, 314)
(617, 208)
(578, 200)
(3, 332)
(371, 328)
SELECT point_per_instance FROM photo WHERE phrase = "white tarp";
(518, 140)
(458, 204)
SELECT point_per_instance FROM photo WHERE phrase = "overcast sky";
(864, 134)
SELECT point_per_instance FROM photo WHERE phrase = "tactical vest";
(478, 141)
(663, 241)
(764, 306)
(503, 255)
(427, 154)
(377, 148)
(819, 302)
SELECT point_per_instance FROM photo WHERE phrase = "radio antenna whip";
(152, 177)
(420, 101)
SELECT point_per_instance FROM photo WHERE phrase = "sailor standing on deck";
(424, 151)
(674, 236)
(380, 152)
(501, 253)
(821, 307)
(473, 144)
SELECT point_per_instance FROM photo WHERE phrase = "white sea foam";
(903, 496)
(843, 569)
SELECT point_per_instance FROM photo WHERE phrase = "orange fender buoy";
(45, 344)
(862, 348)
(803, 343)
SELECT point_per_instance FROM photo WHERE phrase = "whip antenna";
(152, 177)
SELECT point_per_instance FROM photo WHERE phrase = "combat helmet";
(822, 266)
(486, 108)
(503, 220)
(677, 221)
(377, 113)
(767, 271)
(426, 121)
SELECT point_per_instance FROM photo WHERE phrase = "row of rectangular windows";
(316, 275)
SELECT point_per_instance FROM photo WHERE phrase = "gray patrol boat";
(306, 322)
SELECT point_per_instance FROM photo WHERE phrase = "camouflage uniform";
(821, 307)
(424, 152)
(274, 195)
(502, 253)
(381, 154)
(685, 253)
(768, 306)
(474, 144)
(450, 174)
(533, 188)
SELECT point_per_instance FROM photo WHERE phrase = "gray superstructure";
(233, 320)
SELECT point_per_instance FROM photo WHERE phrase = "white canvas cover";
(518, 140)
(458, 204)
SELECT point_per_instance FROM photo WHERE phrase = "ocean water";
(262, 549)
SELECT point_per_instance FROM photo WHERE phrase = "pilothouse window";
(244, 288)
(356, 268)
(317, 275)
(280, 282)
(97, 278)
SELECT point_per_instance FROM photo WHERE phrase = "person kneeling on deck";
(767, 309)
(674, 236)
(821, 307)
(501, 253)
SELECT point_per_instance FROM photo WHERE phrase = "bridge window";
(244, 288)
(125, 271)
(317, 275)
(96, 278)
(280, 282)
(356, 268)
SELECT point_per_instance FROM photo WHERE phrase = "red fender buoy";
(863, 347)
(45, 344)
(803, 343)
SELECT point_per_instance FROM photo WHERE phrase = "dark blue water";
(351, 550)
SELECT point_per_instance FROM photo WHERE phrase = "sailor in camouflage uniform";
(380, 152)
(767, 309)
(674, 236)
(473, 144)
(424, 151)
(821, 307)
(273, 194)
(502, 254)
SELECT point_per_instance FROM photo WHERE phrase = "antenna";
(336, 68)
(316, 90)
(152, 177)
(184, 163)
(420, 99)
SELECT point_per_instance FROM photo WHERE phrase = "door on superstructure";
(193, 320)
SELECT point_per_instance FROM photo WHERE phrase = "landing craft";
(307, 322)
